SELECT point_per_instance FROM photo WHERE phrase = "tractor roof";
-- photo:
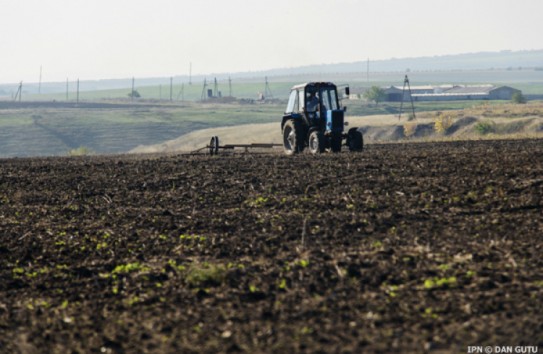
(313, 84)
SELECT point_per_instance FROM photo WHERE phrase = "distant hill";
(470, 61)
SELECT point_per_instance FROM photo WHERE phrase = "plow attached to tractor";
(214, 147)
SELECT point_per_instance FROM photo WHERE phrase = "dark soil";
(402, 248)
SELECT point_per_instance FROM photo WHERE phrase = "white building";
(451, 93)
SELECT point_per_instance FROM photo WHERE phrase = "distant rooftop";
(429, 92)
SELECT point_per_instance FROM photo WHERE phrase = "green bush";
(375, 94)
(518, 98)
(80, 151)
(484, 128)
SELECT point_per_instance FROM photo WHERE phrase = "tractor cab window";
(312, 100)
(329, 99)
(293, 104)
(301, 100)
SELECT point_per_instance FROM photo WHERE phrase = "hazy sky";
(97, 39)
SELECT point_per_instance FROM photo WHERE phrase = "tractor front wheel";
(316, 142)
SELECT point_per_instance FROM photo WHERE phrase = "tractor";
(314, 119)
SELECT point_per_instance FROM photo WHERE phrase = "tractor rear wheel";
(316, 142)
(355, 140)
(293, 141)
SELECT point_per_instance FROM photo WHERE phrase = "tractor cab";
(315, 104)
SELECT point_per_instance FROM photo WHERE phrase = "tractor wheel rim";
(313, 144)
(289, 138)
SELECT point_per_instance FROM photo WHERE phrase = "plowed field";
(402, 248)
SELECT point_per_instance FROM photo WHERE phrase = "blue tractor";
(314, 119)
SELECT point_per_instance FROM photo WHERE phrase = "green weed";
(187, 237)
(436, 283)
(257, 202)
(253, 288)
(205, 274)
(429, 313)
(172, 263)
(80, 151)
(377, 244)
(128, 268)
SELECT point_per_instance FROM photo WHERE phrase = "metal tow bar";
(214, 146)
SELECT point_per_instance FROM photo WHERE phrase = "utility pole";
(203, 97)
(171, 88)
(132, 92)
(368, 72)
(406, 83)
(216, 88)
(77, 99)
(19, 92)
(181, 92)
(267, 90)
(229, 86)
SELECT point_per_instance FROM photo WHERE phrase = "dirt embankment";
(376, 129)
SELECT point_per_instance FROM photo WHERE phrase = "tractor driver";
(312, 103)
